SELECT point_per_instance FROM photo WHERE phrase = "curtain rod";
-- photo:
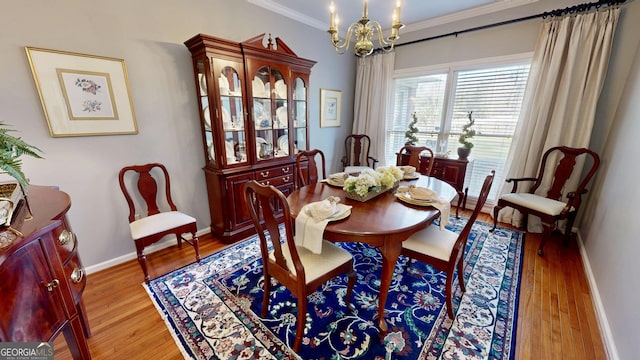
(554, 13)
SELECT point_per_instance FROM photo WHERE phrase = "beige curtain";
(566, 77)
(373, 85)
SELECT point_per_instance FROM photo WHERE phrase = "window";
(443, 98)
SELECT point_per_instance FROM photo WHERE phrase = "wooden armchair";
(357, 158)
(150, 225)
(410, 155)
(549, 206)
(310, 176)
(297, 268)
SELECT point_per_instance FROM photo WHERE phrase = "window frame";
(451, 70)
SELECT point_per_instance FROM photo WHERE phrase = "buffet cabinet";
(451, 170)
(252, 100)
(42, 276)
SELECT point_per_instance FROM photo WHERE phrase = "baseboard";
(601, 316)
(169, 241)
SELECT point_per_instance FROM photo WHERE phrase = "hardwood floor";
(556, 318)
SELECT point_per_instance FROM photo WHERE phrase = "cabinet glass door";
(205, 112)
(232, 116)
(270, 113)
(299, 115)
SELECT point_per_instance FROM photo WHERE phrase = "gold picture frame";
(330, 108)
(81, 94)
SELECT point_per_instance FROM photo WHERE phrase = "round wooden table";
(384, 222)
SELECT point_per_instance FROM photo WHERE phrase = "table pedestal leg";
(390, 253)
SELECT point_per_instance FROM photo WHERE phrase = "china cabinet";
(252, 99)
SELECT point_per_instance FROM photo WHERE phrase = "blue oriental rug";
(212, 308)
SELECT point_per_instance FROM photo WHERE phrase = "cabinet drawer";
(74, 271)
(65, 241)
(278, 181)
(273, 172)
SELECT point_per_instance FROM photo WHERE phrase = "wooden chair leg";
(546, 233)
(179, 239)
(449, 290)
(568, 229)
(350, 284)
(142, 260)
(302, 319)
(496, 210)
(461, 275)
(267, 293)
(196, 245)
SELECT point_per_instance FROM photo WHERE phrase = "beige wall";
(149, 35)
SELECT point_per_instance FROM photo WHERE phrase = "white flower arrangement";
(373, 180)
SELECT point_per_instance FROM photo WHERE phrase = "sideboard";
(453, 171)
(42, 276)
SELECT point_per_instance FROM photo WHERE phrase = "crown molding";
(436, 21)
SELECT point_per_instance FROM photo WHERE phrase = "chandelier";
(363, 31)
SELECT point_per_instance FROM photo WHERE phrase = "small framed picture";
(330, 108)
(81, 94)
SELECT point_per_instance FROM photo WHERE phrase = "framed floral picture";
(330, 108)
(81, 94)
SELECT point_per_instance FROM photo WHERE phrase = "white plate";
(258, 87)
(281, 89)
(226, 117)
(281, 115)
(406, 197)
(283, 144)
(415, 175)
(207, 118)
(258, 110)
(224, 85)
(203, 84)
(332, 182)
(212, 152)
(229, 148)
(342, 212)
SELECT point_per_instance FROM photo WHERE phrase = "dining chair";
(297, 268)
(311, 174)
(357, 158)
(545, 198)
(150, 225)
(444, 249)
(412, 155)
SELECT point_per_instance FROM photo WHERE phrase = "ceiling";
(415, 14)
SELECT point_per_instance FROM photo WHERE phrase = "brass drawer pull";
(266, 183)
(76, 275)
(65, 237)
(264, 174)
(285, 170)
(285, 179)
(52, 285)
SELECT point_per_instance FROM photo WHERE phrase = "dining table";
(383, 222)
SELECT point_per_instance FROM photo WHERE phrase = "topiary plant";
(410, 134)
(467, 132)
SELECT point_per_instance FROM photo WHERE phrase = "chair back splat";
(357, 153)
(150, 226)
(309, 175)
(561, 162)
(411, 155)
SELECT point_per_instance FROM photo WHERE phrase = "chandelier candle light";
(364, 30)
